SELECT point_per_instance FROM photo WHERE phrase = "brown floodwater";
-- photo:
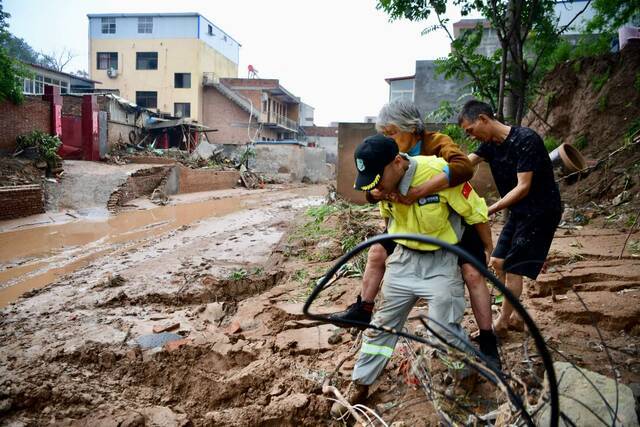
(29, 255)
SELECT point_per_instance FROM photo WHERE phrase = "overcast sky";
(334, 54)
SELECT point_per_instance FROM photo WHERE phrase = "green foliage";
(634, 247)
(581, 142)
(612, 14)
(464, 61)
(320, 213)
(46, 144)
(237, 275)
(19, 49)
(636, 82)
(602, 103)
(442, 114)
(10, 70)
(300, 275)
(599, 80)
(633, 131)
(459, 136)
(576, 66)
(551, 143)
(246, 155)
(549, 98)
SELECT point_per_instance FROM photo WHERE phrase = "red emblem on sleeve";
(466, 190)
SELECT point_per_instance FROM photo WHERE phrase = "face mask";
(415, 151)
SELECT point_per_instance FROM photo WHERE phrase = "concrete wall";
(33, 114)
(350, 135)
(430, 89)
(315, 165)
(328, 144)
(195, 180)
(219, 40)
(280, 159)
(298, 162)
(21, 201)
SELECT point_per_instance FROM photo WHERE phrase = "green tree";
(10, 70)
(527, 31)
(19, 49)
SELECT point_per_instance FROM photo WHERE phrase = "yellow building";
(159, 61)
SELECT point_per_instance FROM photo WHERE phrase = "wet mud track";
(229, 345)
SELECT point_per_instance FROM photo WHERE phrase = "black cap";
(372, 156)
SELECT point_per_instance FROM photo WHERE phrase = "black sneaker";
(360, 311)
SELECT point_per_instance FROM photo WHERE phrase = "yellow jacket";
(430, 215)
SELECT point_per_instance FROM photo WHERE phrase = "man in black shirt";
(523, 173)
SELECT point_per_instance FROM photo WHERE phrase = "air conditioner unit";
(112, 72)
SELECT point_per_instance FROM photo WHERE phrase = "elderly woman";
(401, 121)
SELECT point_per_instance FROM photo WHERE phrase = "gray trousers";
(410, 275)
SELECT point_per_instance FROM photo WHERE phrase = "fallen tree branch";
(635, 221)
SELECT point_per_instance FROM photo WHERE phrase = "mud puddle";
(35, 257)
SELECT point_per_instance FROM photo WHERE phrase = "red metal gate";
(71, 147)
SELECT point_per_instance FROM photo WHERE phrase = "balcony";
(271, 119)
(209, 79)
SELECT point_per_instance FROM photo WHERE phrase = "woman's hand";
(376, 194)
(396, 197)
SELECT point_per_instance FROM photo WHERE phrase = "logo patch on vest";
(429, 199)
(466, 190)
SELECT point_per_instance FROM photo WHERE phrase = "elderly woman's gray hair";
(404, 115)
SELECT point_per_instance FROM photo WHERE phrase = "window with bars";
(146, 60)
(182, 109)
(145, 25)
(147, 99)
(108, 25)
(106, 60)
(182, 80)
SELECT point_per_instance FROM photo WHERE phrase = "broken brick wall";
(21, 201)
(140, 183)
(33, 114)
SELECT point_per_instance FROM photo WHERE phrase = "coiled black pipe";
(533, 329)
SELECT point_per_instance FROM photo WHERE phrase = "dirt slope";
(594, 104)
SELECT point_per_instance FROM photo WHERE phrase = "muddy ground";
(225, 292)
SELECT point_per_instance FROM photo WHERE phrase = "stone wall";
(21, 201)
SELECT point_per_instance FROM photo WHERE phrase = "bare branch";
(562, 30)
